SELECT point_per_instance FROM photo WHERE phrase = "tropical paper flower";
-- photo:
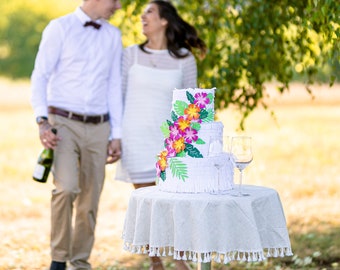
(183, 123)
(179, 145)
(201, 100)
(181, 133)
(190, 135)
(171, 150)
(162, 161)
(192, 112)
(175, 132)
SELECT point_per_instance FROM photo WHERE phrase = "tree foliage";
(250, 42)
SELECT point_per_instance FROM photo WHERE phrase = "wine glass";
(242, 154)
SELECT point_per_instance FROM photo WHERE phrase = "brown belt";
(94, 119)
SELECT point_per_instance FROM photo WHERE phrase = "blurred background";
(276, 69)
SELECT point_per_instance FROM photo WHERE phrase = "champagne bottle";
(44, 164)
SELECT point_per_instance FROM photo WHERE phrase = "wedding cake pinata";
(193, 160)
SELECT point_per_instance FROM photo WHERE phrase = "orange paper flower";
(192, 112)
(179, 145)
(183, 123)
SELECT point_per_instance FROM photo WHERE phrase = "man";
(76, 88)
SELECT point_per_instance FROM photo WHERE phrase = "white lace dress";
(148, 82)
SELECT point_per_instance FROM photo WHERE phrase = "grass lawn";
(296, 152)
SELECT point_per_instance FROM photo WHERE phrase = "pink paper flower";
(190, 135)
(201, 100)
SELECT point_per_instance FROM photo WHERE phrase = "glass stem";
(241, 178)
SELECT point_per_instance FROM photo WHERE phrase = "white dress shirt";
(78, 69)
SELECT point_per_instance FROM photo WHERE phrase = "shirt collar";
(83, 17)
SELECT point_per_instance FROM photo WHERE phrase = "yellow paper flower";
(162, 163)
(192, 112)
(179, 145)
(183, 123)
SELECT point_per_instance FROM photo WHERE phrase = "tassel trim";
(205, 257)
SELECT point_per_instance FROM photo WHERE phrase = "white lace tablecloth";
(205, 227)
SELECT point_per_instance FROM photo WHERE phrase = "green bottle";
(44, 164)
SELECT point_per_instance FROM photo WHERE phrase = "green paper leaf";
(211, 97)
(190, 97)
(181, 154)
(179, 107)
(192, 151)
(165, 129)
(163, 175)
(196, 126)
(210, 116)
(178, 169)
(200, 141)
(203, 114)
(169, 123)
(174, 116)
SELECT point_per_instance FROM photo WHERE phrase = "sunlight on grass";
(297, 155)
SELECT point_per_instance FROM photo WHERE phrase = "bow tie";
(92, 23)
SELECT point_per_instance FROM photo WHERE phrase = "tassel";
(275, 253)
(190, 256)
(249, 259)
(194, 257)
(152, 252)
(281, 253)
(145, 250)
(205, 259)
(218, 257)
(238, 256)
(289, 252)
(199, 257)
(176, 255)
(226, 258)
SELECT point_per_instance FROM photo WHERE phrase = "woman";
(151, 71)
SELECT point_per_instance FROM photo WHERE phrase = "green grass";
(297, 155)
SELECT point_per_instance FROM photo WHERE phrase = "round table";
(204, 227)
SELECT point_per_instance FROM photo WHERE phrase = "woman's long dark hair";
(179, 33)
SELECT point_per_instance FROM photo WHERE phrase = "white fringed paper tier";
(204, 227)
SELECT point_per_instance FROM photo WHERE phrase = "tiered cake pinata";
(193, 160)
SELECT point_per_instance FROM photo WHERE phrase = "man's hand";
(47, 137)
(113, 151)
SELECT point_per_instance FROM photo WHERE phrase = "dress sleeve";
(189, 72)
(128, 59)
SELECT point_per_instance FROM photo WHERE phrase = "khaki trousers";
(79, 172)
